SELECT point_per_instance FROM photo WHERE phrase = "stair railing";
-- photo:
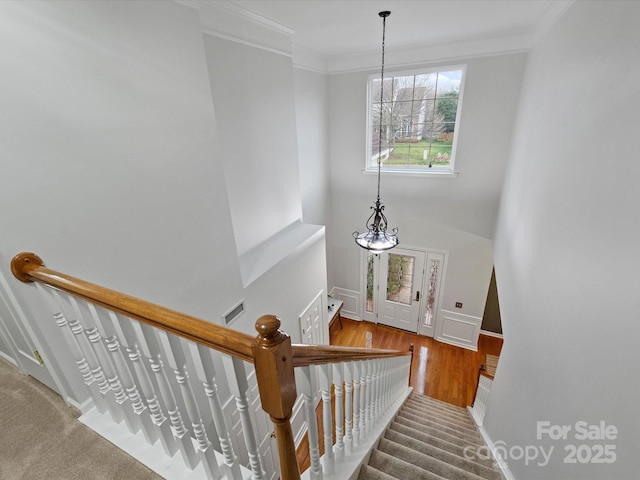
(481, 397)
(136, 359)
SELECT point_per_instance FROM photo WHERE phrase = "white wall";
(312, 118)
(110, 163)
(567, 246)
(254, 102)
(453, 214)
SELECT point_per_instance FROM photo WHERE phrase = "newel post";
(273, 359)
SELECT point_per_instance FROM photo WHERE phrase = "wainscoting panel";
(350, 302)
(458, 329)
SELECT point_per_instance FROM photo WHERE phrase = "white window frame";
(371, 165)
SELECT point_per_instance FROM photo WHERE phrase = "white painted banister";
(482, 399)
(207, 375)
(240, 392)
(338, 374)
(327, 418)
(348, 407)
(151, 373)
(309, 390)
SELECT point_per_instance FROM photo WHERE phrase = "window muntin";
(420, 113)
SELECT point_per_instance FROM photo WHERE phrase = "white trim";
(491, 334)
(445, 316)
(255, 18)
(417, 56)
(231, 38)
(551, 13)
(499, 461)
(224, 20)
(306, 59)
(350, 302)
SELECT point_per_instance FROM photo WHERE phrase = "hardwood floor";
(438, 370)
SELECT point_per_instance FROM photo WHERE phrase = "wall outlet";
(458, 304)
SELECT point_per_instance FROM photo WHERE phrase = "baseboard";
(153, 456)
(500, 463)
(491, 334)
(9, 359)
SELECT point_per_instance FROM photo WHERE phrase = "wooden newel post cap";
(267, 327)
(22, 263)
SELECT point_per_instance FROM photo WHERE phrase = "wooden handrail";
(271, 351)
(28, 267)
(305, 355)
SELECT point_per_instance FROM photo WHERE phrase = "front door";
(400, 284)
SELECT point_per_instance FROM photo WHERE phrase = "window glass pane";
(449, 82)
(447, 107)
(418, 116)
(369, 303)
(400, 278)
(428, 83)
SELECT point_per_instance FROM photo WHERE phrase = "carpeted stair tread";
(436, 441)
(367, 472)
(431, 417)
(461, 417)
(429, 439)
(419, 427)
(425, 462)
(439, 404)
(399, 469)
(443, 455)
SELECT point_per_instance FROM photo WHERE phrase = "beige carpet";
(40, 437)
(428, 440)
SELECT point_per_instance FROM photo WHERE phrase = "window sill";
(412, 173)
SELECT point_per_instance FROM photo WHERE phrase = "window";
(420, 112)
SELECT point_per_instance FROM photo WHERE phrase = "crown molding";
(421, 55)
(551, 13)
(226, 20)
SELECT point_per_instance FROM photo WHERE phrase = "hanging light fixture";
(376, 238)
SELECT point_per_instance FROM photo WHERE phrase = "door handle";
(418, 296)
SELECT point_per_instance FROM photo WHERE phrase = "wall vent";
(232, 314)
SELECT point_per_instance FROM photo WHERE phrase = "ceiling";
(347, 27)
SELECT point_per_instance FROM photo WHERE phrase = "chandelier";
(376, 239)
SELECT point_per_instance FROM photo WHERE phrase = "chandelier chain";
(384, 28)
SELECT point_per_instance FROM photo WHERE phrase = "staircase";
(427, 440)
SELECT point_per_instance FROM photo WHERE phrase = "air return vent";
(235, 312)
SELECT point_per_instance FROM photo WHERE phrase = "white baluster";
(178, 428)
(386, 384)
(339, 408)
(54, 303)
(375, 390)
(136, 342)
(177, 360)
(206, 372)
(309, 390)
(77, 328)
(239, 390)
(368, 396)
(96, 335)
(348, 407)
(113, 337)
(327, 420)
(357, 368)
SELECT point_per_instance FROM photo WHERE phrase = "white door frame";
(440, 256)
